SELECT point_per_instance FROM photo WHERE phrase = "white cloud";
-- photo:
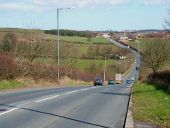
(150, 2)
(20, 6)
(42, 5)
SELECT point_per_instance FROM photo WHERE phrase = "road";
(66, 107)
(83, 107)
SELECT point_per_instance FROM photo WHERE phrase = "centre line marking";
(71, 92)
(8, 111)
(41, 100)
(85, 89)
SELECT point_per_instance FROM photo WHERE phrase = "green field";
(77, 39)
(151, 105)
(82, 64)
(85, 63)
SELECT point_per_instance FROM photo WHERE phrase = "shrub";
(38, 71)
(162, 79)
(9, 42)
(7, 67)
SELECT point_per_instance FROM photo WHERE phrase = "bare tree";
(156, 54)
(89, 37)
(9, 41)
(167, 22)
(69, 52)
(32, 44)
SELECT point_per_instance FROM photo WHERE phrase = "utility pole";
(104, 68)
(58, 44)
(58, 48)
(138, 54)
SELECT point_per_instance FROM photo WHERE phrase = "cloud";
(19, 6)
(44, 5)
(151, 2)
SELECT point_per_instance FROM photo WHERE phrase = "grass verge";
(151, 105)
(12, 84)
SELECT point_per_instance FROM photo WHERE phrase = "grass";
(12, 84)
(79, 40)
(151, 105)
(85, 63)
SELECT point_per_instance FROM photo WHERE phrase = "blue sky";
(85, 15)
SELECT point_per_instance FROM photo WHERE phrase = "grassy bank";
(151, 105)
(12, 84)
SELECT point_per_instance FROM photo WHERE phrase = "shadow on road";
(115, 93)
(55, 115)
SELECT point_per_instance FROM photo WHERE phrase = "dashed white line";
(8, 111)
(72, 92)
(85, 89)
(41, 100)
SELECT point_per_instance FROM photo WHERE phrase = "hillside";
(78, 55)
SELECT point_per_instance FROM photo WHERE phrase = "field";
(79, 40)
(151, 105)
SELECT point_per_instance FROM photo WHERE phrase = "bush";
(161, 79)
(38, 71)
(7, 67)
(8, 42)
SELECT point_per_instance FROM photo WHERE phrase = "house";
(124, 39)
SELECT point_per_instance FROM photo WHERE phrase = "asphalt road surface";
(80, 107)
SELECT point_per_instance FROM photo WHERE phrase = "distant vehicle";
(98, 81)
(132, 78)
(118, 78)
(111, 82)
(137, 68)
(128, 81)
(118, 82)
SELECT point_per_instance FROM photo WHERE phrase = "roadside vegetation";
(151, 98)
(11, 84)
(33, 54)
(151, 104)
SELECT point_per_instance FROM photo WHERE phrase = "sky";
(116, 15)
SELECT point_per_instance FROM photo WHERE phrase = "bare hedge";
(7, 67)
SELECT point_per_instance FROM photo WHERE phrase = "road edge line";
(129, 122)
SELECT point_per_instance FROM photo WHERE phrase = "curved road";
(67, 107)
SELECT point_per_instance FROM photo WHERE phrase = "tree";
(167, 22)
(69, 53)
(156, 54)
(89, 37)
(9, 42)
(33, 44)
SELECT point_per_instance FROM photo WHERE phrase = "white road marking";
(72, 92)
(8, 111)
(85, 89)
(94, 87)
(48, 98)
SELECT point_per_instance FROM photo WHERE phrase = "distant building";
(124, 39)
(106, 35)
